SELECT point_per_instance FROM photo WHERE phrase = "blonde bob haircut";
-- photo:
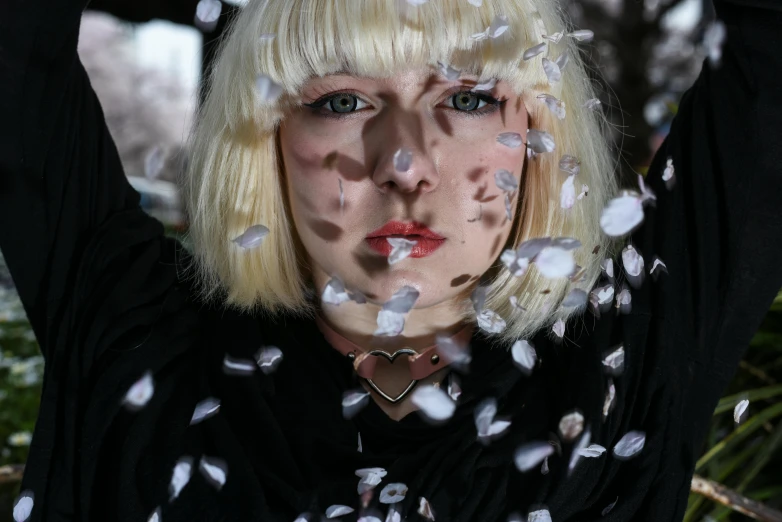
(235, 177)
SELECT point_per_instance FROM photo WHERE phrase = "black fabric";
(102, 287)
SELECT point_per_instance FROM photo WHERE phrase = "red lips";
(427, 241)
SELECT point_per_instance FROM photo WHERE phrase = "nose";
(403, 134)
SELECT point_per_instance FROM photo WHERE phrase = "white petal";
(614, 362)
(544, 467)
(205, 409)
(621, 215)
(337, 510)
(607, 265)
(425, 509)
(389, 323)
(553, 73)
(624, 301)
(23, 506)
(183, 470)
(140, 393)
(510, 139)
(155, 516)
(393, 492)
(454, 388)
(154, 162)
(268, 358)
(403, 159)
(713, 40)
(453, 352)
(534, 51)
(556, 106)
(739, 410)
(498, 26)
(576, 298)
(433, 402)
(559, 328)
(449, 72)
(360, 449)
(208, 11)
(400, 249)
(483, 35)
(514, 302)
(508, 208)
(630, 444)
(236, 366)
(252, 237)
(214, 470)
(582, 35)
(478, 298)
(267, 37)
(658, 263)
(608, 403)
(531, 454)
(571, 425)
(484, 414)
(353, 401)
(393, 514)
(524, 356)
(487, 85)
(556, 37)
(567, 195)
(540, 141)
(267, 89)
(491, 322)
(476, 3)
(632, 261)
(402, 301)
(609, 507)
(553, 262)
(576, 455)
(334, 292)
(604, 294)
(562, 61)
(592, 451)
(569, 164)
(505, 180)
(592, 103)
(370, 477)
(541, 515)
(584, 192)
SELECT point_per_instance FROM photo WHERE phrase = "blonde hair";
(235, 177)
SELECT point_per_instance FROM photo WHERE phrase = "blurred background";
(147, 59)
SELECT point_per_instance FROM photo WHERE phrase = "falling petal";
(449, 72)
(334, 292)
(402, 301)
(739, 410)
(140, 393)
(624, 301)
(207, 14)
(205, 409)
(517, 265)
(562, 61)
(498, 26)
(487, 85)
(607, 265)
(183, 470)
(608, 403)
(337, 510)
(478, 298)
(393, 492)
(389, 323)
(268, 358)
(370, 477)
(592, 451)
(633, 263)
(609, 507)
(544, 467)
(23, 506)
(713, 40)
(569, 164)
(433, 402)
(360, 449)
(267, 89)
(540, 141)
(234, 366)
(153, 163)
(582, 35)
(505, 180)
(534, 51)
(393, 514)
(571, 425)
(456, 354)
(400, 249)
(668, 174)
(514, 302)
(524, 355)
(553, 73)
(511, 140)
(403, 159)
(567, 195)
(454, 388)
(566, 243)
(541, 515)
(267, 37)
(425, 509)
(584, 192)
(622, 215)
(483, 35)
(576, 455)
(369, 518)
(576, 298)
(155, 516)
(341, 196)
(554, 262)
(559, 328)
(657, 267)
(252, 237)
(214, 470)
(485, 424)
(531, 454)
(614, 362)
(508, 208)
(556, 37)
(592, 103)
(352, 402)
(630, 445)
(490, 321)
(556, 106)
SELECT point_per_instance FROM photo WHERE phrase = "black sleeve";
(60, 173)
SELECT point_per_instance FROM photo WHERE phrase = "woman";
(364, 180)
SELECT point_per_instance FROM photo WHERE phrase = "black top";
(103, 290)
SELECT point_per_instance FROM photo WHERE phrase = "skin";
(448, 186)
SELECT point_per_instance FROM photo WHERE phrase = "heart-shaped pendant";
(391, 358)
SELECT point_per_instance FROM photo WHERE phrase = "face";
(346, 133)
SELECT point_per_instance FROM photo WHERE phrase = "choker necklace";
(422, 363)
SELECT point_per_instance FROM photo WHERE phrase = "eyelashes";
(348, 104)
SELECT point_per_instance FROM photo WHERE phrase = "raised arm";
(60, 174)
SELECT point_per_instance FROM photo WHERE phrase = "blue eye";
(467, 101)
(340, 103)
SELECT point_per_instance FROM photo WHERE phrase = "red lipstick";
(427, 240)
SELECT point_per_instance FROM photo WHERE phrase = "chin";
(431, 291)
